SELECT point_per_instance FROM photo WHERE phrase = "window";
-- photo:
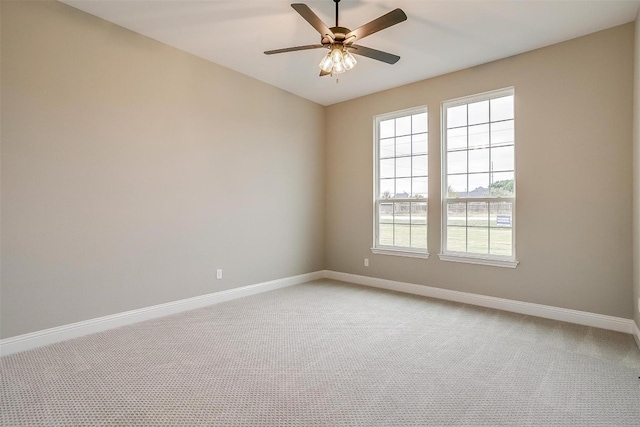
(401, 183)
(478, 177)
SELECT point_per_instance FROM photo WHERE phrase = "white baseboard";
(61, 333)
(636, 334)
(548, 312)
(75, 330)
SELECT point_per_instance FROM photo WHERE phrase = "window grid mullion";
(410, 222)
(411, 179)
(490, 189)
(466, 226)
(481, 123)
(489, 226)
(395, 173)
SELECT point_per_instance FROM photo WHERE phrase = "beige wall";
(132, 170)
(574, 169)
(636, 177)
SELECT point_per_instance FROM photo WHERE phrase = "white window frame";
(385, 249)
(468, 257)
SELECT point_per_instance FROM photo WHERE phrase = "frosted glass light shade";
(336, 55)
(349, 60)
(338, 68)
(326, 64)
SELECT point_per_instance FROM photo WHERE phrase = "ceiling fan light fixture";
(338, 68)
(326, 64)
(349, 60)
(337, 61)
(339, 39)
(336, 54)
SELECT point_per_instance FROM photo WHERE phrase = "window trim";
(467, 257)
(394, 250)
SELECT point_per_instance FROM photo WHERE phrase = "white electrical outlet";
(366, 262)
(219, 273)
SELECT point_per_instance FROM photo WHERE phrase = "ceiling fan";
(341, 41)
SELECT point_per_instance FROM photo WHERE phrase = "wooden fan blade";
(293, 49)
(313, 19)
(379, 55)
(324, 73)
(385, 21)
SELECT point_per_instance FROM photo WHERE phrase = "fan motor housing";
(339, 32)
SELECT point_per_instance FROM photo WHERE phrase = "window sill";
(399, 252)
(479, 260)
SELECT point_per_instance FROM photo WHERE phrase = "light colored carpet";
(331, 354)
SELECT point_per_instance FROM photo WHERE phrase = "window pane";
(419, 236)
(502, 108)
(500, 215)
(403, 146)
(456, 116)
(402, 235)
(457, 185)
(501, 243)
(387, 188)
(419, 187)
(385, 214)
(502, 158)
(457, 239)
(419, 166)
(479, 160)
(401, 213)
(457, 213)
(385, 234)
(387, 148)
(479, 112)
(502, 133)
(403, 166)
(457, 162)
(478, 185)
(478, 136)
(387, 128)
(478, 214)
(419, 213)
(502, 184)
(478, 240)
(456, 139)
(387, 168)
(403, 126)
(419, 123)
(419, 142)
(403, 188)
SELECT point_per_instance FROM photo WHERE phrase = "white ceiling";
(438, 37)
